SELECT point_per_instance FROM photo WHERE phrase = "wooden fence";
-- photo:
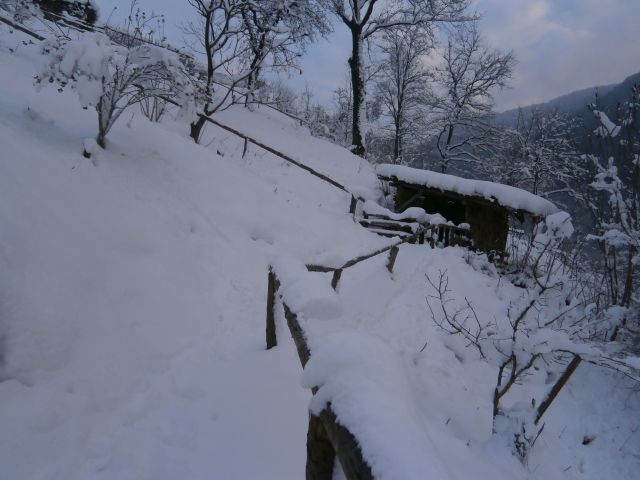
(326, 437)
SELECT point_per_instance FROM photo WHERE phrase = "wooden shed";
(484, 206)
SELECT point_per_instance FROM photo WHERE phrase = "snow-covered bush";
(543, 330)
(110, 77)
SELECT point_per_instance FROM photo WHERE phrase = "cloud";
(563, 46)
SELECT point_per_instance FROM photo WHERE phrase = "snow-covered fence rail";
(272, 283)
(326, 437)
(436, 229)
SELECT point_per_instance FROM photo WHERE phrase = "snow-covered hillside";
(132, 310)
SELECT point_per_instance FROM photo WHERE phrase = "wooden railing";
(436, 234)
(326, 437)
(246, 138)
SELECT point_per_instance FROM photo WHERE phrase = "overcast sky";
(560, 45)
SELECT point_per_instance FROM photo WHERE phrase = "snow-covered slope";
(133, 294)
(132, 305)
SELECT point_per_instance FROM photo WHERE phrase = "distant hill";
(575, 103)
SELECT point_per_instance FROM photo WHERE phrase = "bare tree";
(548, 330)
(280, 29)
(538, 154)
(365, 18)
(343, 117)
(239, 38)
(218, 33)
(401, 84)
(469, 73)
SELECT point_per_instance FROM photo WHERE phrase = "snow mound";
(305, 292)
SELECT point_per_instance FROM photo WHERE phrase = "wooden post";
(335, 280)
(320, 453)
(555, 390)
(246, 146)
(272, 340)
(421, 237)
(353, 205)
(325, 426)
(393, 253)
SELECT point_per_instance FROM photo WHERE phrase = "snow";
(607, 127)
(504, 195)
(133, 295)
(556, 226)
(367, 386)
(304, 292)
(372, 208)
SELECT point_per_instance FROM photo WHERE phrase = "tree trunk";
(445, 159)
(196, 129)
(358, 88)
(100, 140)
(397, 144)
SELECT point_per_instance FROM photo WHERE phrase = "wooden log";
(272, 287)
(335, 280)
(320, 453)
(320, 268)
(393, 254)
(389, 225)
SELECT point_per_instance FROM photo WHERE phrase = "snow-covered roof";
(504, 195)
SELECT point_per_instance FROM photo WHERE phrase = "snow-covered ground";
(132, 312)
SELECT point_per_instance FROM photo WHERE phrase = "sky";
(560, 45)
